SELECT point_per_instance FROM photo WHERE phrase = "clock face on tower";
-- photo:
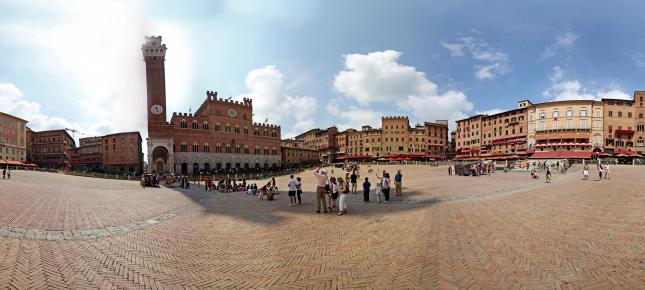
(232, 113)
(156, 109)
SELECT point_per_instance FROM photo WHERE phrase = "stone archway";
(160, 162)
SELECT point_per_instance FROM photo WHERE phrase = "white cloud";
(455, 49)
(562, 89)
(94, 49)
(557, 74)
(614, 94)
(268, 90)
(563, 41)
(489, 112)
(491, 62)
(377, 77)
(487, 72)
(349, 116)
(13, 101)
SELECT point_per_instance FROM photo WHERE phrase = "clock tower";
(154, 54)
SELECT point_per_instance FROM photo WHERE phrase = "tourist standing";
(385, 186)
(321, 182)
(378, 191)
(299, 189)
(585, 172)
(547, 177)
(354, 180)
(334, 187)
(292, 190)
(606, 169)
(600, 169)
(4, 173)
(342, 201)
(398, 179)
(9, 173)
(366, 190)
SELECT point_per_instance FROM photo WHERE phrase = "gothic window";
(183, 124)
(205, 125)
(195, 147)
(206, 148)
(195, 125)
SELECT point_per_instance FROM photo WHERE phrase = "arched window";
(274, 151)
(205, 125)
(195, 147)
(195, 125)
(183, 124)
(227, 128)
(218, 127)
(237, 148)
(218, 148)
(228, 148)
(266, 150)
(183, 147)
(246, 149)
(207, 148)
(257, 150)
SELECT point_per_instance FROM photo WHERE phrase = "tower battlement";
(152, 47)
(395, 117)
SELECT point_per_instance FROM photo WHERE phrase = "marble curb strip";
(91, 234)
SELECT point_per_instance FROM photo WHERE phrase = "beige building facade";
(13, 138)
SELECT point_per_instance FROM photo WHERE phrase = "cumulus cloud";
(13, 101)
(562, 89)
(352, 116)
(563, 41)
(377, 77)
(271, 101)
(491, 62)
(93, 49)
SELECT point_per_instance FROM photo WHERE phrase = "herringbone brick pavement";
(570, 234)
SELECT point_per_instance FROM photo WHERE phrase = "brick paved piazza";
(498, 232)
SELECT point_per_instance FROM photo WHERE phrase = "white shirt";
(292, 184)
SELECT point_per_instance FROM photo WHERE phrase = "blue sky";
(314, 63)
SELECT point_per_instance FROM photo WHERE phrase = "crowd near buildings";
(572, 129)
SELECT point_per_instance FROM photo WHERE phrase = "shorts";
(334, 195)
(354, 185)
(292, 193)
(299, 192)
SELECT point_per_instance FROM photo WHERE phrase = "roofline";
(122, 133)
(12, 116)
(613, 99)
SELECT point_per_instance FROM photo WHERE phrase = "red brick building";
(220, 134)
(122, 152)
(50, 148)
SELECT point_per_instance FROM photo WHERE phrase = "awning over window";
(561, 155)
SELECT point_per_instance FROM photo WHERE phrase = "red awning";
(627, 153)
(561, 155)
(354, 157)
(625, 132)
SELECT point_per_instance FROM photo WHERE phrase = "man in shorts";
(292, 191)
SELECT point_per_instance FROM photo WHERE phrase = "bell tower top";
(152, 47)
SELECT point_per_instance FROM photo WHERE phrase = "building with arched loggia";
(220, 134)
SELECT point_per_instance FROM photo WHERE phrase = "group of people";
(6, 173)
(603, 171)
(331, 192)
